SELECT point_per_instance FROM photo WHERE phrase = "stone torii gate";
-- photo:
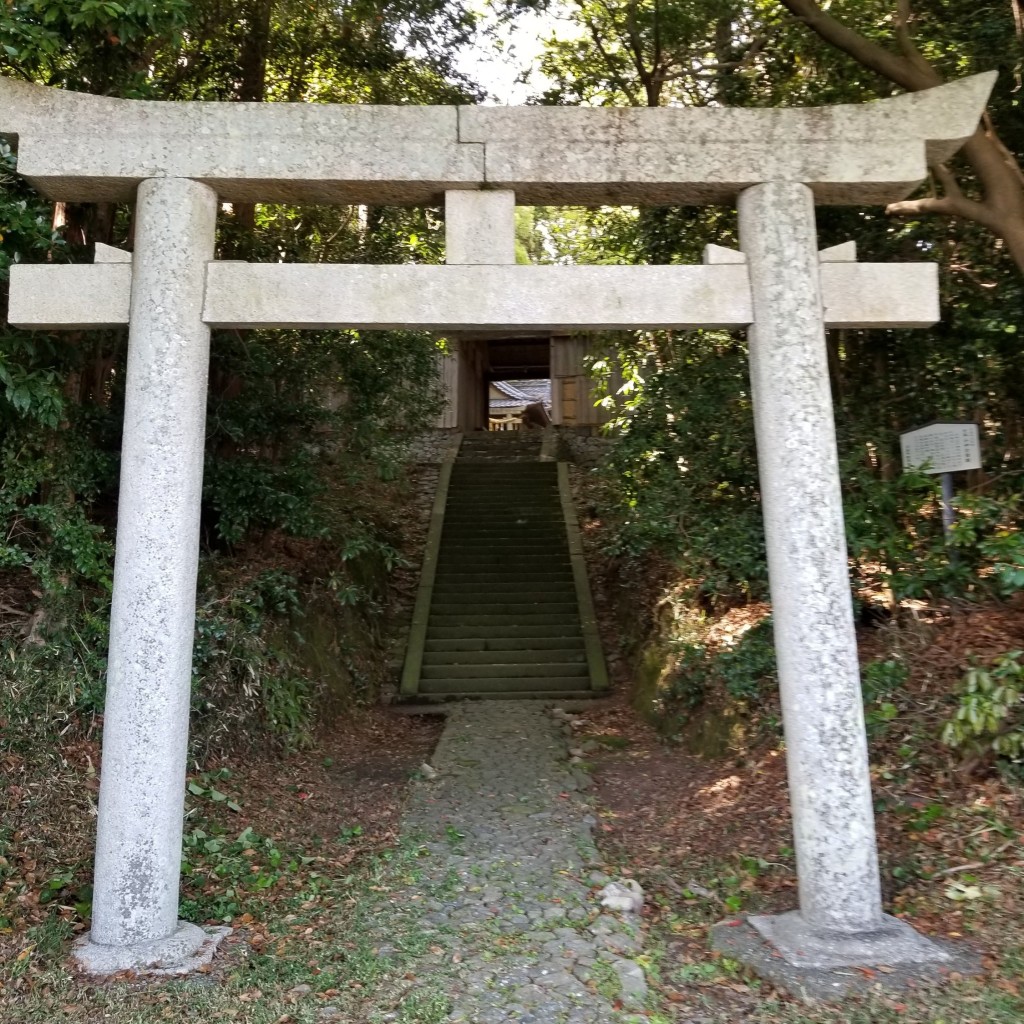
(179, 161)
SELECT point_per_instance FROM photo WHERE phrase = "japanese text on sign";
(942, 448)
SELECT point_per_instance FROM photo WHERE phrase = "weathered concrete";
(718, 254)
(74, 147)
(110, 254)
(826, 747)
(803, 945)
(96, 148)
(142, 783)
(862, 295)
(480, 227)
(186, 950)
(845, 252)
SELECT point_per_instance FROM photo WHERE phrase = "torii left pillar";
(135, 922)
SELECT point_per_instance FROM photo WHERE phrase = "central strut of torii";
(178, 161)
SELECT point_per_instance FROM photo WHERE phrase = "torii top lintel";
(82, 148)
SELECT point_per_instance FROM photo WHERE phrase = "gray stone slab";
(863, 153)
(49, 296)
(480, 227)
(892, 942)
(863, 295)
(739, 941)
(79, 147)
(476, 297)
(460, 297)
(185, 950)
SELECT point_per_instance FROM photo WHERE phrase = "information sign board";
(942, 448)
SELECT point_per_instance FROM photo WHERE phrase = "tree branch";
(905, 38)
(609, 62)
(998, 171)
(637, 48)
(889, 65)
(953, 203)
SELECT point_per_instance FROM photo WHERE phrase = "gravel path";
(507, 880)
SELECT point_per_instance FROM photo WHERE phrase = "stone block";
(865, 295)
(86, 148)
(110, 254)
(851, 153)
(475, 297)
(855, 295)
(480, 227)
(718, 254)
(49, 295)
(845, 252)
(929, 962)
(79, 147)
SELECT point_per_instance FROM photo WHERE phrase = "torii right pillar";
(840, 921)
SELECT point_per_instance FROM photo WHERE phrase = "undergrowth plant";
(989, 720)
(743, 672)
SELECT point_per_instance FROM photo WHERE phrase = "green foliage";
(682, 474)
(222, 876)
(987, 536)
(743, 672)
(31, 384)
(894, 531)
(89, 45)
(881, 680)
(246, 682)
(990, 717)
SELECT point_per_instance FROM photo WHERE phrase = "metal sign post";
(943, 448)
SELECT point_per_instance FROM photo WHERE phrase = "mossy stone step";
(548, 695)
(528, 619)
(499, 565)
(506, 684)
(503, 630)
(474, 560)
(515, 670)
(505, 645)
(499, 578)
(506, 548)
(445, 593)
(563, 654)
(513, 611)
(501, 520)
(504, 615)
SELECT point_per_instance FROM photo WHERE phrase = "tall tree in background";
(927, 47)
(686, 449)
(651, 52)
(278, 400)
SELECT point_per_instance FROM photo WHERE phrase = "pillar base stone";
(808, 965)
(186, 950)
(893, 942)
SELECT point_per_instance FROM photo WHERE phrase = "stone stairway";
(504, 606)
